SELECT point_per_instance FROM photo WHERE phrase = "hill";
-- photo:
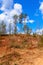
(21, 49)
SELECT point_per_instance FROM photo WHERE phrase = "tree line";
(20, 18)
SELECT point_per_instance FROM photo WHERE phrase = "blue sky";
(33, 8)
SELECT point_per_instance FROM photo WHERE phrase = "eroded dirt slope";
(21, 57)
(20, 50)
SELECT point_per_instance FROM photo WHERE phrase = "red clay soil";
(20, 50)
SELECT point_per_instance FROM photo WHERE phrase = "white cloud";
(6, 4)
(14, 12)
(31, 21)
(7, 15)
(18, 7)
(2, 17)
(6, 18)
(41, 7)
(39, 31)
(28, 20)
(9, 12)
(25, 21)
(17, 10)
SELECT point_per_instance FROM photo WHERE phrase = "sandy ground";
(22, 56)
(31, 57)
